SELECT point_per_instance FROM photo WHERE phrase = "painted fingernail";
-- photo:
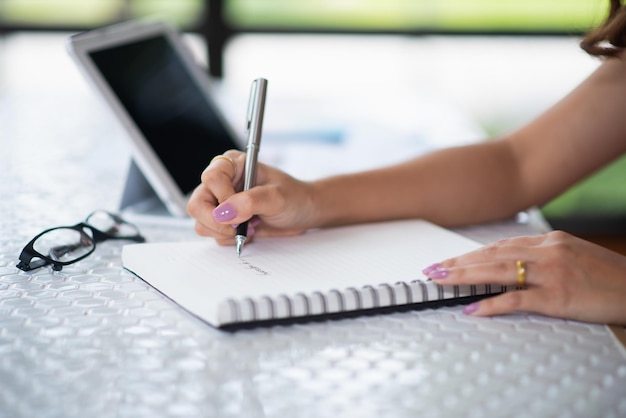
(431, 268)
(224, 213)
(439, 274)
(471, 308)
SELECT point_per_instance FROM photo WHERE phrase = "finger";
(503, 272)
(222, 174)
(239, 158)
(508, 249)
(220, 232)
(200, 202)
(229, 238)
(221, 159)
(201, 206)
(531, 300)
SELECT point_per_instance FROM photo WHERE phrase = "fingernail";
(224, 213)
(431, 268)
(439, 274)
(471, 308)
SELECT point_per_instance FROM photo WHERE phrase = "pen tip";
(239, 241)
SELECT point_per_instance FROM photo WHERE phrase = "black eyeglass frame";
(29, 252)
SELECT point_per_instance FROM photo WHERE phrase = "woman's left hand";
(564, 276)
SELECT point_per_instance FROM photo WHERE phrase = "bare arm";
(492, 180)
(454, 186)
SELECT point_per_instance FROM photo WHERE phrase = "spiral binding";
(349, 300)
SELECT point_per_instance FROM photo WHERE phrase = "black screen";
(167, 105)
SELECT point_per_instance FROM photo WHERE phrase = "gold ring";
(230, 160)
(521, 274)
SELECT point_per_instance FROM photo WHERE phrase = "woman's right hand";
(278, 205)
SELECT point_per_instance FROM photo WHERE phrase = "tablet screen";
(167, 105)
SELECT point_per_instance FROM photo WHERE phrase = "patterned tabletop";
(93, 340)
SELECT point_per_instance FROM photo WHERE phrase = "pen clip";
(251, 105)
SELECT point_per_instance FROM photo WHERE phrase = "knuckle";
(201, 230)
(502, 269)
(225, 230)
(490, 251)
(558, 235)
(503, 241)
(449, 263)
(562, 249)
(192, 208)
(234, 154)
(211, 175)
(559, 260)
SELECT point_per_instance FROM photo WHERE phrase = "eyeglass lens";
(111, 224)
(65, 244)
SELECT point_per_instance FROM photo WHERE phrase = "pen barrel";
(255, 129)
(242, 229)
(255, 126)
(252, 153)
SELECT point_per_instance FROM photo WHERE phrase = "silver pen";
(256, 108)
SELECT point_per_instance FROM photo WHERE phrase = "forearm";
(495, 179)
(453, 186)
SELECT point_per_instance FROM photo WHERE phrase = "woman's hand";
(278, 205)
(564, 276)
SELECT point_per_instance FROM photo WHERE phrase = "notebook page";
(200, 274)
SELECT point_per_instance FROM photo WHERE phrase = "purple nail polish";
(439, 274)
(471, 308)
(431, 268)
(224, 213)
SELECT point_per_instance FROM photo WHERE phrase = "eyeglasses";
(65, 245)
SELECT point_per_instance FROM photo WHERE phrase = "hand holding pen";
(256, 108)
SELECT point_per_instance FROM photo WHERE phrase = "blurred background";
(501, 62)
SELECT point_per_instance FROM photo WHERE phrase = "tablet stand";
(139, 198)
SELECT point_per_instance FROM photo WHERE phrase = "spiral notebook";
(328, 272)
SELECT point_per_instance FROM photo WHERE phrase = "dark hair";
(608, 39)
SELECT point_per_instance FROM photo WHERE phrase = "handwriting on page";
(257, 269)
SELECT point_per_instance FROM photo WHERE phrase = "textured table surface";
(93, 340)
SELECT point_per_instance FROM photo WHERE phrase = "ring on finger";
(521, 274)
(226, 158)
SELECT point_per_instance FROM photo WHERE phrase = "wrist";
(317, 195)
(332, 202)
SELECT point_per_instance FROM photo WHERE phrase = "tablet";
(164, 101)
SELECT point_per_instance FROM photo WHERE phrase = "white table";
(93, 340)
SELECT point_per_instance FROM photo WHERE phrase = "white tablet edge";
(79, 47)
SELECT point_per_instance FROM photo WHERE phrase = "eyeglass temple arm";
(26, 263)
